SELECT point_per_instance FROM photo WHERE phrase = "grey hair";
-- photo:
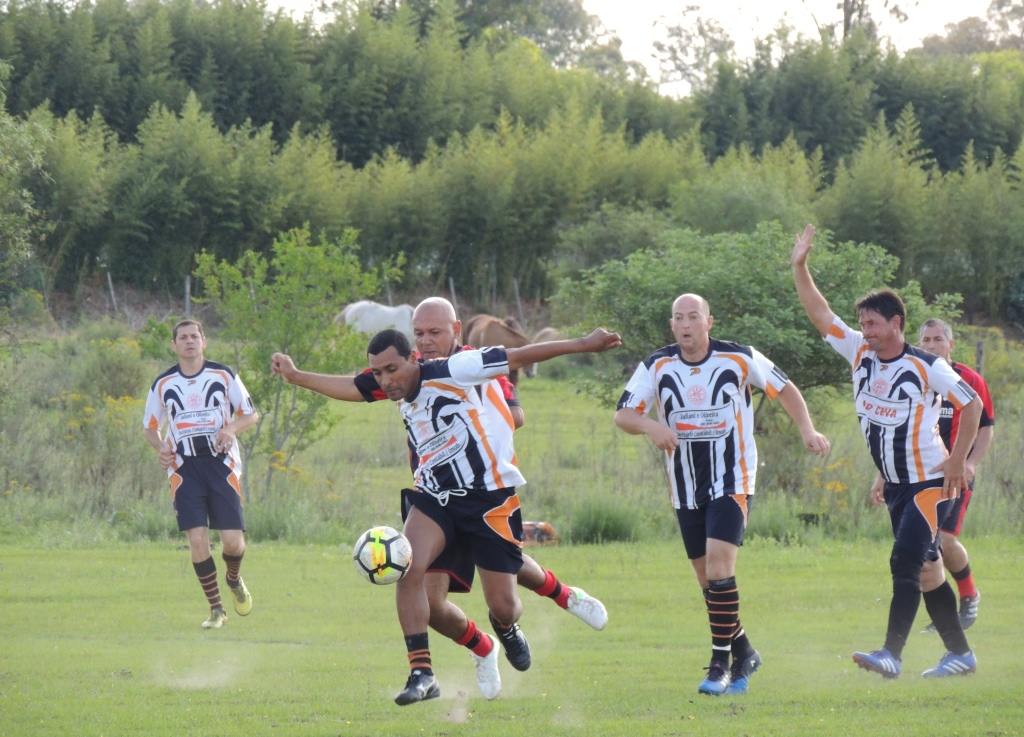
(934, 322)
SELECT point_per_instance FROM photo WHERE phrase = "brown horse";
(543, 336)
(481, 331)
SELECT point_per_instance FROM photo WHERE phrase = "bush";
(604, 519)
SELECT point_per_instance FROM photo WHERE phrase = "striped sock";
(419, 652)
(234, 564)
(475, 640)
(965, 582)
(553, 589)
(206, 571)
(723, 600)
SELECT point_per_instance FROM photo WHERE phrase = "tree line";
(135, 136)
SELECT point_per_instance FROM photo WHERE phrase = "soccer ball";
(382, 555)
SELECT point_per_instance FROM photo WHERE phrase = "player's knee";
(905, 568)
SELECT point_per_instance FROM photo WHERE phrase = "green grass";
(105, 640)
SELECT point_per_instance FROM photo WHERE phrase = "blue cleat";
(716, 681)
(740, 672)
(881, 662)
(953, 665)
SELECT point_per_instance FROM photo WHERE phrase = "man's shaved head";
(435, 305)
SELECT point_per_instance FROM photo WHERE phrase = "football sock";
(206, 571)
(941, 605)
(419, 652)
(475, 640)
(906, 598)
(553, 589)
(741, 646)
(723, 601)
(965, 582)
(234, 564)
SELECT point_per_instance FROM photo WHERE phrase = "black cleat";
(514, 643)
(420, 687)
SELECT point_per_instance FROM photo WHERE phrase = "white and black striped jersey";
(460, 440)
(709, 405)
(196, 407)
(898, 403)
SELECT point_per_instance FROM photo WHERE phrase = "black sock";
(941, 606)
(906, 598)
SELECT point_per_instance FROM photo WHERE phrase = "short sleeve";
(640, 393)
(846, 341)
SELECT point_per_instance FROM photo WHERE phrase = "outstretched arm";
(598, 341)
(335, 387)
(793, 402)
(814, 303)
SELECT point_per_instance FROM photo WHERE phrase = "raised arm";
(793, 402)
(598, 341)
(335, 387)
(814, 303)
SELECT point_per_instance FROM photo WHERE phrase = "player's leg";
(576, 601)
(225, 503)
(427, 537)
(957, 561)
(190, 507)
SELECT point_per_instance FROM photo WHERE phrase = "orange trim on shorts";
(497, 519)
(927, 502)
(175, 480)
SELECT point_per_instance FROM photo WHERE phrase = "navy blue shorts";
(957, 511)
(456, 560)
(916, 511)
(724, 518)
(488, 523)
(206, 493)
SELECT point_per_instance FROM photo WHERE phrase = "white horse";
(370, 317)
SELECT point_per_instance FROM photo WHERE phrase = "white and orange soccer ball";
(382, 555)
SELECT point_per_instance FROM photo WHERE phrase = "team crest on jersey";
(695, 370)
(193, 401)
(880, 387)
(423, 430)
(696, 395)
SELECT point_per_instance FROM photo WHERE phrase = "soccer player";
(936, 336)
(205, 405)
(897, 394)
(465, 477)
(701, 387)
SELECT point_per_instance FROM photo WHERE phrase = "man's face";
(881, 335)
(690, 323)
(934, 340)
(189, 344)
(435, 333)
(398, 377)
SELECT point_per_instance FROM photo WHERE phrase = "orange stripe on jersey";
(448, 388)
(662, 362)
(474, 415)
(427, 456)
(860, 352)
(928, 502)
(770, 390)
(918, 461)
(743, 453)
(499, 403)
(741, 360)
(835, 331)
(497, 519)
(922, 371)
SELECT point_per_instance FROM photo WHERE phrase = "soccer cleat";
(969, 609)
(487, 676)
(514, 643)
(740, 673)
(881, 662)
(242, 597)
(716, 681)
(420, 687)
(931, 629)
(587, 608)
(218, 618)
(953, 665)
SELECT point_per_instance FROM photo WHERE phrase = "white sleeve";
(765, 375)
(640, 393)
(238, 395)
(470, 368)
(947, 383)
(845, 340)
(155, 414)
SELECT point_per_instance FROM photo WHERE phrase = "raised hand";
(802, 247)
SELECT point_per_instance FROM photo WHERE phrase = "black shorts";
(724, 518)
(957, 511)
(206, 493)
(916, 511)
(487, 522)
(456, 560)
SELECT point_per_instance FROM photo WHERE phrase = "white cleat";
(587, 608)
(487, 676)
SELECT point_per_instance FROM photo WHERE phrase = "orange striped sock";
(419, 652)
(206, 571)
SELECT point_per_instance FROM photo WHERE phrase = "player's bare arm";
(163, 447)
(981, 446)
(597, 342)
(815, 305)
(793, 402)
(954, 468)
(225, 437)
(335, 387)
(634, 423)
(878, 491)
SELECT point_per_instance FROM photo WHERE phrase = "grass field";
(106, 641)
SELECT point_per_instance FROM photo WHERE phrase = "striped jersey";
(460, 441)
(196, 407)
(898, 403)
(710, 406)
(949, 418)
(497, 395)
